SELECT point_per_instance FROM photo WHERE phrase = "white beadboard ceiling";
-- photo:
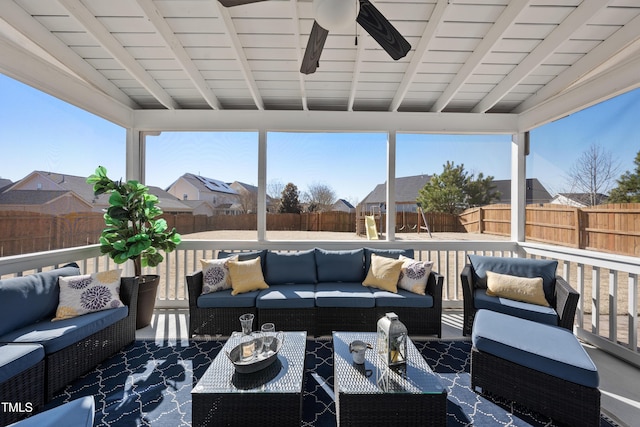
(139, 62)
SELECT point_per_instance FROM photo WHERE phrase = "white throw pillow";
(215, 275)
(414, 275)
(88, 293)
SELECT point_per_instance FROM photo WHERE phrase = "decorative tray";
(259, 361)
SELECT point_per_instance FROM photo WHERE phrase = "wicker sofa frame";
(23, 387)
(69, 363)
(317, 321)
(558, 399)
(566, 301)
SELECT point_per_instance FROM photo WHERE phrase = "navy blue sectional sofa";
(39, 357)
(317, 290)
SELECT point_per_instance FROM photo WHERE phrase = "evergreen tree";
(628, 189)
(454, 190)
(290, 201)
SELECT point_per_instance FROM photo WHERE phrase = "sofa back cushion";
(290, 267)
(521, 267)
(340, 266)
(389, 253)
(245, 256)
(29, 299)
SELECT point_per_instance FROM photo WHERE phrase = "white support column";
(518, 187)
(135, 155)
(262, 185)
(391, 186)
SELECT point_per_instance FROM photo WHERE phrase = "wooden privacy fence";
(613, 228)
(607, 228)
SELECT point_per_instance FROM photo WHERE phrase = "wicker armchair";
(564, 303)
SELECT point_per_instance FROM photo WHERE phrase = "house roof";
(4, 184)
(32, 197)
(474, 66)
(535, 192)
(406, 190)
(208, 185)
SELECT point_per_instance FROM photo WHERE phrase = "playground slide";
(370, 226)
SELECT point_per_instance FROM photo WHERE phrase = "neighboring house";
(407, 189)
(249, 197)
(343, 206)
(535, 194)
(195, 187)
(578, 200)
(37, 184)
(50, 202)
(406, 193)
(200, 207)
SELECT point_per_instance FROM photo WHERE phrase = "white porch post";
(518, 186)
(135, 155)
(262, 185)
(391, 186)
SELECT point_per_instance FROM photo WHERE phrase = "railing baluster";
(613, 305)
(595, 300)
(633, 312)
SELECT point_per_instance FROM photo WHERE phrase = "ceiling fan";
(334, 14)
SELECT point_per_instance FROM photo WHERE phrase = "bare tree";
(320, 197)
(248, 200)
(594, 173)
(275, 187)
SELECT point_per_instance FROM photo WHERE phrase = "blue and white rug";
(150, 385)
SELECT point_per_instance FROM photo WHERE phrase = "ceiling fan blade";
(311, 59)
(382, 31)
(231, 3)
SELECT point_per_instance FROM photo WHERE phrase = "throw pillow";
(215, 275)
(414, 275)
(246, 276)
(88, 293)
(384, 273)
(525, 289)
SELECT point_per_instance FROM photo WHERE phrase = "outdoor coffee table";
(272, 396)
(414, 395)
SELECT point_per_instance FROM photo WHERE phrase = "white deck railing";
(606, 317)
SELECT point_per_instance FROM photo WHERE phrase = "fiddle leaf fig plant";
(133, 227)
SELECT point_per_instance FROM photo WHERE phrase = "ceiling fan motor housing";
(334, 15)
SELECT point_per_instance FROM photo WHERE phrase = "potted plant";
(134, 231)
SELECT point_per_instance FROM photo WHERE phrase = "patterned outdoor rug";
(150, 385)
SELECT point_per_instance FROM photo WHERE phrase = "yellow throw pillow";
(384, 273)
(246, 276)
(523, 289)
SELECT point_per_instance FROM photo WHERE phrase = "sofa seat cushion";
(290, 267)
(525, 310)
(17, 358)
(340, 266)
(352, 294)
(549, 349)
(54, 336)
(224, 299)
(78, 413)
(402, 299)
(521, 267)
(287, 296)
(29, 299)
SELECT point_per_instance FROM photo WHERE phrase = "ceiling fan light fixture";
(335, 15)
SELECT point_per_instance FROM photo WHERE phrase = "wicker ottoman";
(538, 366)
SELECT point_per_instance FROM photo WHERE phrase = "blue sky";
(39, 132)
